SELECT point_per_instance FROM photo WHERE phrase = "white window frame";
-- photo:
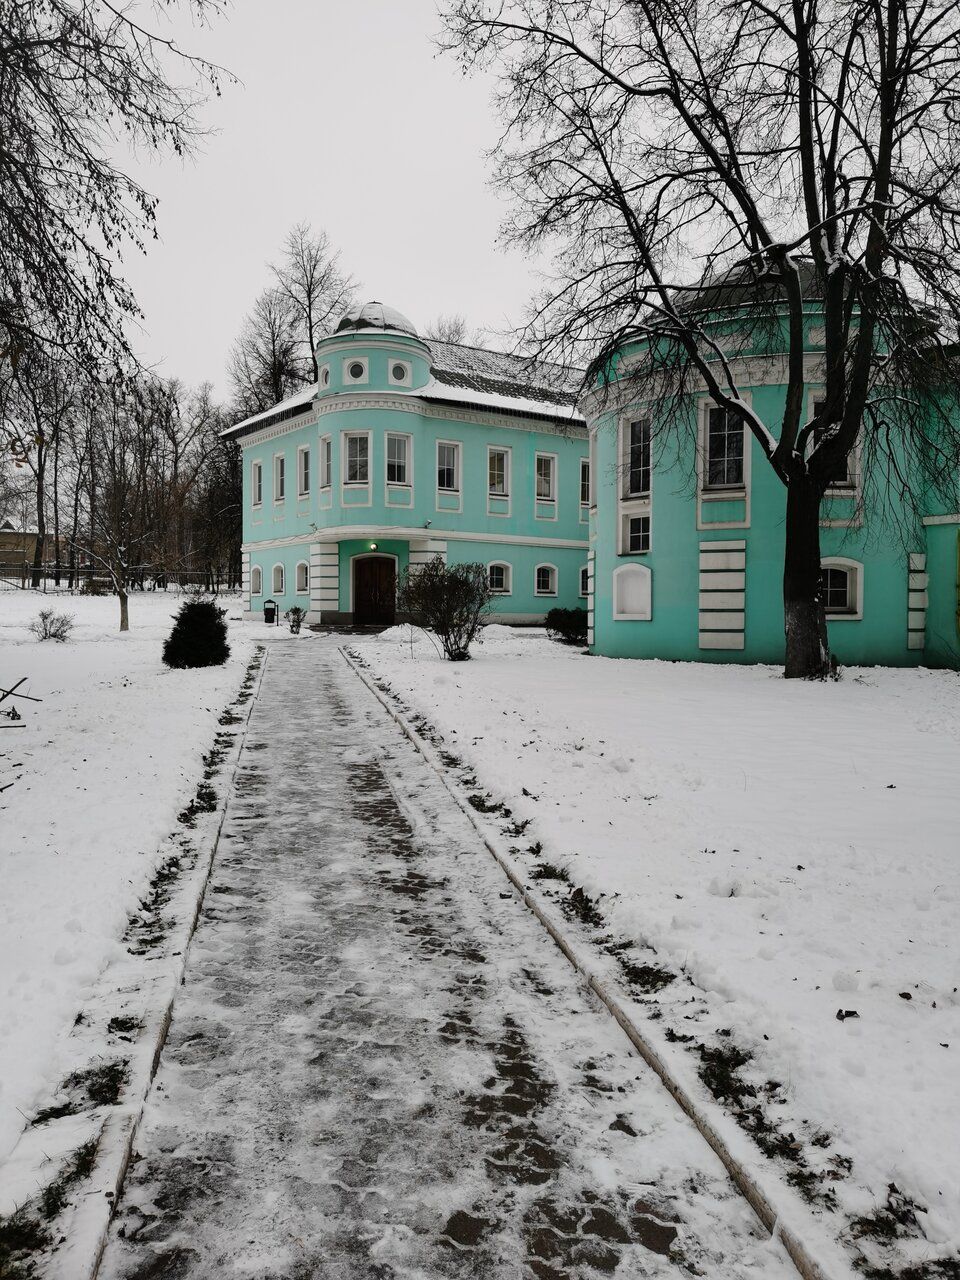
(584, 581)
(592, 463)
(626, 516)
(408, 459)
(854, 568)
(256, 484)
(326, 462)
(457, 446)
(348, 379)
(585, 466)
(722, 490)
(279, 478)
(406, 380)
(256, 576)
(626, 426)
(550, 502)
(281, 590)
(345, 439)
(507, 468)
(556, 581)
(305, 589)
(628, 570)
(507, 577)
(707, 494)
(303, 451)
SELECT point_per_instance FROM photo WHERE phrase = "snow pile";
(792, 846)
(101, 769)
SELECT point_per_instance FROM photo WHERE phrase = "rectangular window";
(448, 467)
(397, 462)
(326, 462)
(498, 473)
(843, 479)
(546, 477)
(256, 481)
(724, 450)
(546, 580)
(499, 579)
(279, 477)
(637, 538)
(584, 482)
(836, 591)
(638, 459)
(592, 468)
(357, 460)
(303, 471)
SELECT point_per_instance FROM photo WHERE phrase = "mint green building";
(687, 530)
(406, 449)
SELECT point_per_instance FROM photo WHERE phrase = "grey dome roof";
(374, 315)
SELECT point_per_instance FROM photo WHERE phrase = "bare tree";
(266, 364)
(317, 288)
(448, 328)
(34, 418)
(74, 78)
(802, 156)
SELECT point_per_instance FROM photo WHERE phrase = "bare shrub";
(295, 616)
(52, 626)
(448, 600)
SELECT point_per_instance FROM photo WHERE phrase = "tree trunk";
(124, 612)
(807, 649)
(56, 507)
(38, 548)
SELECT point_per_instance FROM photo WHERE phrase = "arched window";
(632, 593)
(303, 577)
(499, 577)
(842, 587)
(545, 580)
(278, 579)
(584, 581)
(256, 581)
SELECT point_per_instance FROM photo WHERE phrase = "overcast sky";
(348, 118)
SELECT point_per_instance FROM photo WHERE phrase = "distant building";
(410, 448)
(18, 544)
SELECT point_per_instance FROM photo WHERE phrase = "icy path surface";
(379, 1066)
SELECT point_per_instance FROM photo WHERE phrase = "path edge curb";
(760, 1199)
(121, 1127)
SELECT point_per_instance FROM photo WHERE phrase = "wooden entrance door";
(374, 591)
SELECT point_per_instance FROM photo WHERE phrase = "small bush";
(199, 636)
(567, 625)
(448, 600)
(295, 617)
(52, 626)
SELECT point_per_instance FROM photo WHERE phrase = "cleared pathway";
(379, 1065)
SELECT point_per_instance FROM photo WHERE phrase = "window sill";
(356, 484)
(844, 617)
(545, 595)
(399, 484)
(716, 494)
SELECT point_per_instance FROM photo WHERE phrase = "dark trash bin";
(270, 612)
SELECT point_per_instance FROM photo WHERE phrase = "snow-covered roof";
(473, 376)
(376, 315)
(498, 380)
(276, 413)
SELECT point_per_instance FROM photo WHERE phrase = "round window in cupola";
(400, 373)
(325, 376)
(355, 369)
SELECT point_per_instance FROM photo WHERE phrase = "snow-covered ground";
(101, 768)
(793, 847)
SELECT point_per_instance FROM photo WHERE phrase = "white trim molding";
(324, 579)
(722, 595)
(341, 532)
(917, 582)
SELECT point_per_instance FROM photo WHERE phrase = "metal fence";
(91, 580)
